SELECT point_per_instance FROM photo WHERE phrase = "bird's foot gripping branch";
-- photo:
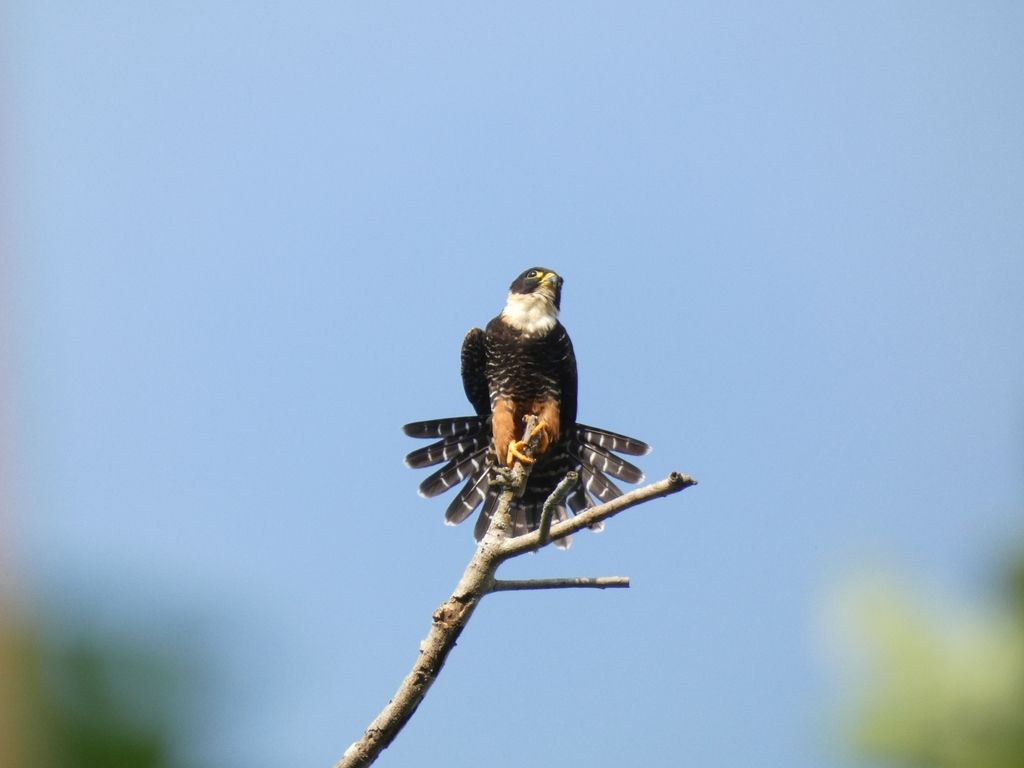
(514, 478)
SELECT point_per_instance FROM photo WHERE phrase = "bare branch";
(448, 622)
(478, 580)
(593, 582)
(556, 498)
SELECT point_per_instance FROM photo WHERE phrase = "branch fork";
(479, 580)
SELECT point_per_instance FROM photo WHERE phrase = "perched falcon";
(522, 364)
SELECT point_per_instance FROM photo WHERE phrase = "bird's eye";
(532, 273)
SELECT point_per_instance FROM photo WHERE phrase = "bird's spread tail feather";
(473, 493)
(444, 427)
(453, 473)
(600, 459)
(612, 441)
(450, 448)
(465, 448)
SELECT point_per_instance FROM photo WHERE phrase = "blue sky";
(248, 240)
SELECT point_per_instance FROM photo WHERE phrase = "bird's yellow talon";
(515, 449)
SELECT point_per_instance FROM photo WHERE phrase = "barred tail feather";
(452, 474)
(444, 427)
(601, 460)
(526, 518)
(448, 449)
(579, 501)
(483, 522)
(469, 498)
(596, 484)
(462, 444)
(559, 515)
(522, 518)
(611, 441)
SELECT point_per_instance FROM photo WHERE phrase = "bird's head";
(539, 280)
(534, 299)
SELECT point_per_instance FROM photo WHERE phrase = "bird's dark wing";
(474, 372)
(567, 381)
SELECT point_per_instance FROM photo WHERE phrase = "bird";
(522, 364)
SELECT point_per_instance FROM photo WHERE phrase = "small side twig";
(556, 498)
(593, 582)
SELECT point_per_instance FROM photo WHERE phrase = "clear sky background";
(249, 238)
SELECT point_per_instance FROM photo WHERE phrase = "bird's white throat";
(531, 313)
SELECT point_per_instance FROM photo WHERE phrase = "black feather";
(483, 522)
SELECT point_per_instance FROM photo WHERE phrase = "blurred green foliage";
(942, 689)
(90, 700)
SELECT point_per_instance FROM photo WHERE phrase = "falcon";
(522, 364)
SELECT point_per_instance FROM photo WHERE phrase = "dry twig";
(593, 582)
